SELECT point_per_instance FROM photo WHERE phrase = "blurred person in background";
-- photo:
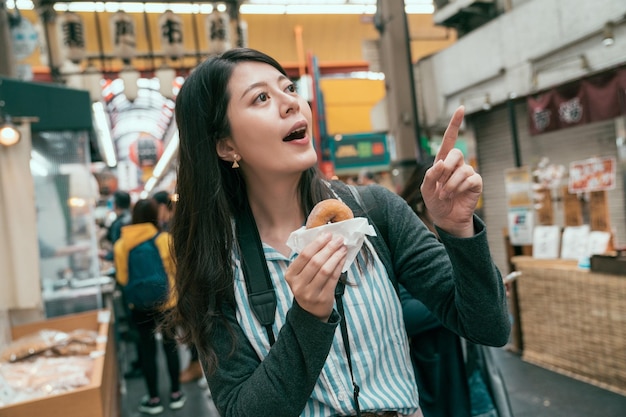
(456, 378)
(121, 208)
(122, 212)
(145, 227)
(193, 371)
(366, 177)
(166, 208)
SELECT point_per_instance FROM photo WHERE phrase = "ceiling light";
(607, 34)
(487, 104)
(249, 7)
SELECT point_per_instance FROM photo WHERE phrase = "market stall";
(56, 389)
(573, 320)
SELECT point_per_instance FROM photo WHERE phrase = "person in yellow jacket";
(144, 227)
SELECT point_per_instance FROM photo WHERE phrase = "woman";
(144, 233)
(246, 141)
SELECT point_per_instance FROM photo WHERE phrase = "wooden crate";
(573, 321)
(100, 398)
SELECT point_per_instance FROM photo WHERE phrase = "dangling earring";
(235, 161)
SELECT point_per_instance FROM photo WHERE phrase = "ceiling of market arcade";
(145, 113)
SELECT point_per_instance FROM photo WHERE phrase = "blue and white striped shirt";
(378, 342)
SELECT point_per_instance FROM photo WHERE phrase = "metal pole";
(7, 60)
(514, 132)
(412, 90)
(48, 18)
(391, 22)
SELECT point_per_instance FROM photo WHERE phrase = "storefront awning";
(56, 107)
(593, 99)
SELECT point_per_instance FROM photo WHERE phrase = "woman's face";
(270, 124)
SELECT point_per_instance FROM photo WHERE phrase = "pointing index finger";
(451, 134)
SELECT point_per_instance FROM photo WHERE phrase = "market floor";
(538, 392)
(198, 402)
(533, 391)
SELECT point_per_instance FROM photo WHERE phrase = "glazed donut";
(328, 211)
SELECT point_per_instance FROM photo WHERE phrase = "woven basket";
(573, 321)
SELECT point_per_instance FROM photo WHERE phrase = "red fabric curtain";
(593, 99)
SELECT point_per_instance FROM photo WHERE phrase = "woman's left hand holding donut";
(451, 188)
(314, 273)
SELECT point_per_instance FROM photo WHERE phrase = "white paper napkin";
(353, 232)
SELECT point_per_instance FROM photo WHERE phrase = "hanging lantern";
(74, 81)
(218, 30)
(24, 37)
(242, 33)
(124, 37)
(41, 43)
(146, 150)
(177, 84)
(166, 76)
(171, 27)
(92, 82)
(130, 76)
(73, 37)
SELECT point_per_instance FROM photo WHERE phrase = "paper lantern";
(130, 76)
(24, 37)
(92, 82)
(73, 37)
(166, 76)
(241, 29)
(41, 43)
(124, 36)
(74, 81)
(145, 151)
(218, 31)
(171, 27)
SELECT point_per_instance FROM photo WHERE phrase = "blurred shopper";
(121, 207)
(166, 209)
(456, 378)
(123, 217)
(366, 177)
(49, 251)
(193, 371)
(248, 177)
(153, 263)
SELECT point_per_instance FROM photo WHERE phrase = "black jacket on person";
(437, 357)
(115, 231)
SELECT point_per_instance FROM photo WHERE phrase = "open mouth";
(296, 134)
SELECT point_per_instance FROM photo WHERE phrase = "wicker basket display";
(573, 321)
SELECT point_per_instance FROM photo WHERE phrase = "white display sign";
(575, 241)
(521, 223)
(546, 242)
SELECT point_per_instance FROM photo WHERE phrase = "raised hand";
(451, 188)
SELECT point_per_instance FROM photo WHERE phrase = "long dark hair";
(210, 193)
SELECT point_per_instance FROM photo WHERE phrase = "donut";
(328, 211)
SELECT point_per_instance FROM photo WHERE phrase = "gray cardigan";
(456, 278)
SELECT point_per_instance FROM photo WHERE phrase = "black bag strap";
(363, 203)
(339, 290)
(367, 201)
(261, 295)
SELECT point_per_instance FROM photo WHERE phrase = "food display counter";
(573, 321)
(100, 396)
